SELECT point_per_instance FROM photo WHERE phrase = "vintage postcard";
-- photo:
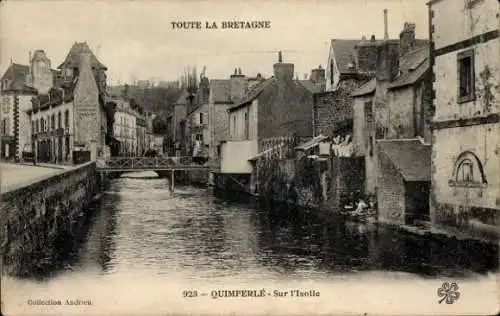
(230, 157)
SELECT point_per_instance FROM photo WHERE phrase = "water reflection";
(140, 225)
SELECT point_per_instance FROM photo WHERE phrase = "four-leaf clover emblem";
(449, 292)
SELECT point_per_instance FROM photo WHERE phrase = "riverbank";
(328, 213)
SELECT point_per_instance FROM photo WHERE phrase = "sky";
(136, 41)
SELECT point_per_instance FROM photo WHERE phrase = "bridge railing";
(145, 162)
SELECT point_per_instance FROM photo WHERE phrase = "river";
(142, 241)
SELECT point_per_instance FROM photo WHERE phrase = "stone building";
(391, 129)
(465, 60)
(71, 115)
(125, 128)
(277, 107)
(225, 93)
(177, 127)
(197, 120)
(15, 99)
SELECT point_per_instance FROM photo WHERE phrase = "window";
(59, 123)
(42, 125)
(468, 171)
(37, 125)
(465, 67)
(331, 71)
(234, 124)
(66, 118)
(53, 122)
(369, 126)
(67, 146)
(246, 125)
(201, 118)
(32, 127)
(465, 172)
(5, 126)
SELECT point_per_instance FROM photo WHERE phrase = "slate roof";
(345, 55)
(221, 90)
(413, 66)
(73, 59)
(16, 73)
(343, 50)
(409, 156)
(254, 92)
(313, 87)
(367, 88)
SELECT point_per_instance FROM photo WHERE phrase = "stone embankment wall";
(39, 219)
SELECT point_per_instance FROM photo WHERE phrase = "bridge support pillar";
(172, 181)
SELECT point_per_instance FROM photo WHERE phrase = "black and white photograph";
(231, 157)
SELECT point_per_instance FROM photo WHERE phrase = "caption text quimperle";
(213, 25)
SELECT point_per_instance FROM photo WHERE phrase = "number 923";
(189, 293)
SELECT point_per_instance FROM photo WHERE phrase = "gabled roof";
(313, 87)
(343, 50)
(413, 66)
(221, 90)
(410, 157)
(254, 92)
(16, 74)
(367, 88)
(345, 56)
(73, 59)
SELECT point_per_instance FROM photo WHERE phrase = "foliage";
(272, 180)
(160, 125)
(485, 89)
(309, 176)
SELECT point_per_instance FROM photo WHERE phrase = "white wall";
(237, 122)
(453, 22)
(235, 155)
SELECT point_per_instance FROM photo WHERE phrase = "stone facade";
(391, 192)
(465, 157)
(38, 216)
(87, 110)
(15, 122)
(125, 130)
(333, 110)
(41, 75)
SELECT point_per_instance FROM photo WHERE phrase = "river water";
(143, 240)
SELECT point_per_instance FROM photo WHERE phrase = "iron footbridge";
(124, 164)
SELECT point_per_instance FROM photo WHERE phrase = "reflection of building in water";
(241, 233)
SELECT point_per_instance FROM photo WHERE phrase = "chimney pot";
(372, 38)
(386, 26)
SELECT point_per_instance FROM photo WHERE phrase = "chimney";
(238, 85)
(372, 38)
(29, 62)
(283, 71)
(407, 38)
(318, 75)
(387, 61)
(386, 26)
